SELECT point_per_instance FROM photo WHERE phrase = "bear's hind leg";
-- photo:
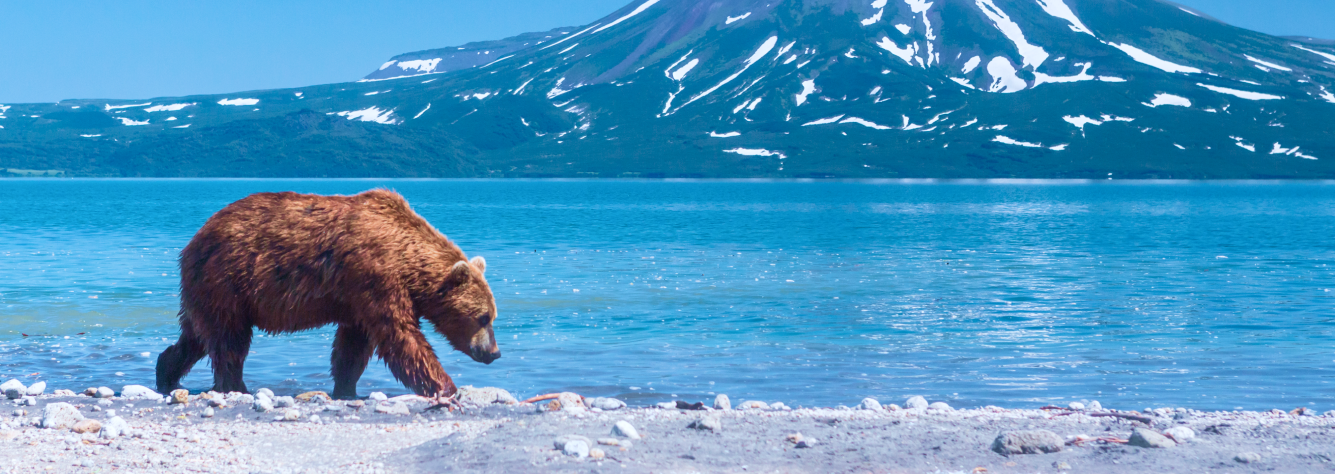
(177, 360)
(352, 351)
(228, 354)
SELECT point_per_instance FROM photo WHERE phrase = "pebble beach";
(134, 429)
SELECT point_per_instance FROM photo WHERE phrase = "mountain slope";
(818, 88)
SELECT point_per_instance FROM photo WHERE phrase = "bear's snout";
(484, 356)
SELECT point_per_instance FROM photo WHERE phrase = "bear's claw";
(449, 403)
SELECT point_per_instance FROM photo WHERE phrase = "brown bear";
(286, 262)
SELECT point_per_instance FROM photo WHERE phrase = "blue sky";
(53, 50)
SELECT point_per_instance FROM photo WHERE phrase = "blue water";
(1208, 295)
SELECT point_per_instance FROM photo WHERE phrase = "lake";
(1137, 294)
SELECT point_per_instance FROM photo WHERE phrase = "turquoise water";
(1208, 295)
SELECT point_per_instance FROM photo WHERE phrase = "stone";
(36, 389)
(916, 402)
(624, 429)
(218, 402)
(609, 441)
(1149, 439)
(63, 393)
(264, 392)
(1247, 457)
(1181, 434)
(1027, 442)
(90, 391)
(284, 402)
(392, 408)
(104, 392)
(378, 396)
(578, 449)
(13, 389)
(893, 407)
(29, 401)
(753, 405)
(1077, 406)
(180, 396)
(316, 396)
(561, 441)
(870, 404)
(805, 443)
(778, 406)
(941, 406)
(606, 404)
(139, 392)
(471, 396)
(314, 419)
(60, 416)
(709, 423)
(263, 404)
(795, 438)
(291, 415)
(568, 401)
(87, 426)
(722, 402)
(596, 453)
(208, 413)
(244, 399)
(1095, 406)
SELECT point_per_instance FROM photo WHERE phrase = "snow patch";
(1059, 9)
(562, 40)
(823, 121)
(1148, 59)
(1010, 141)
(1111, 79)
(874, 18)
(169, 108)
(732, 19)
(1243, 94)
(1328, 56)
(1267, 64)
(114, 107)
(1168, 99)
(1080, 121)
(903, 29)
(1004, 79)
(1031, 55)
(238, 102)
(91, 136)
(725, 135)
(1041, 78)
(640, 9)
(130, 122)
(864, 123)
(971, 64)
(808, 86)
(683, 70)
(963, 82)
(184, 126)
(388, 64)
(764, 49)
(370, 114)
(420, 65)
(905, 53)
(419, 114)
(756, 152)
(520, 90)
(1059, 147)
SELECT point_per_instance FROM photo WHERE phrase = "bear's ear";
(459, 272)
(479, 263)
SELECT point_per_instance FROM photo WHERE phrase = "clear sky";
(126, 49)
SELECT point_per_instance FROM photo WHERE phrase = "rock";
(561, 441)
(1149, 439)
(180, 396)
(392, 408)
(208, 413)
(291, 415)
(1247, 457)
(596, 453)
(795, 438)
(567, 401)
(667, 405)
(579, 449)
(609, 441)
(314, 397)
(778, 406)
(942, 406)
(139, 392)
(624, 429)
(378, 396)
(284, 402)
(893, 407)
(87, 426)
(36, 389)
(1077, 406)
(606, 404)
(13, 389)
(707, 423)
(1095, 406)
(1027, 442)
(63, 393)
(218, 402)
(29, 401)
(264, 392)
(1181, 434)
(314, 419)
(470, 396)
(916, 402)
(721, 402)
(104, 392)
(870, 404)
(244, 399)
(805, 443)
(60, 416)
(90, 391)
(263, 404)
(753, 405)
(115, 428)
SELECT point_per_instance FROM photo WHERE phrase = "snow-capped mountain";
(816, 88)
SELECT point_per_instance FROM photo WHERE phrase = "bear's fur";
(286, 262)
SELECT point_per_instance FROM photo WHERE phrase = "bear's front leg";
(412, 361)
(352, 351)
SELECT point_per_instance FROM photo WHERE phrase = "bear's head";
(467, 311)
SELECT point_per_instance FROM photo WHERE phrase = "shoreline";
(493, 432)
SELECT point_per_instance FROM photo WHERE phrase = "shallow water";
(1208, 295)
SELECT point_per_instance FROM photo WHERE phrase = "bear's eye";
(484, 319)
